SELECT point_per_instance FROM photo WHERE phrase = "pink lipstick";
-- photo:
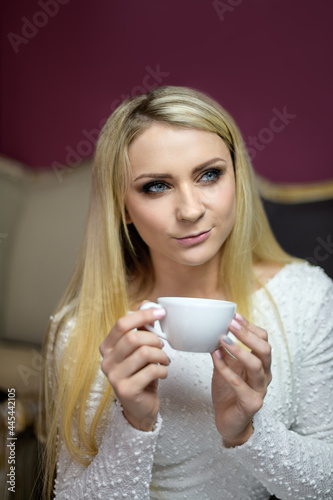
(193, 239)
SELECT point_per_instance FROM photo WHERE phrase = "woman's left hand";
(239, 385)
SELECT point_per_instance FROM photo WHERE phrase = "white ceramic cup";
(191, 324)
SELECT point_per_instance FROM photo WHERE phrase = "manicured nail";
(235, 325)
(227, 340)
(218, 354)
(239, 317)
(159, 313)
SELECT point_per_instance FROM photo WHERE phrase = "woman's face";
(181, 197)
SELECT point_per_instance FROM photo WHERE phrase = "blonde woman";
(174, 212)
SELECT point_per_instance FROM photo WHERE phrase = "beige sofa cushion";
(42, 216)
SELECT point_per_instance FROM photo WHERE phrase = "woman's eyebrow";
(168, 176)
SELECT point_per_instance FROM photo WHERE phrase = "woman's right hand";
(133, 361)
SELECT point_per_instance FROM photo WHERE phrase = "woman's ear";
(127, 217)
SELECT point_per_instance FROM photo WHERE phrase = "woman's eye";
(211, 175)
(154, 187)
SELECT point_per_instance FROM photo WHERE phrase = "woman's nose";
(190, 206)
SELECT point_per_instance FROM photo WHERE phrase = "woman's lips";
(192, 240)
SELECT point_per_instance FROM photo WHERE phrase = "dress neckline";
(276, 276)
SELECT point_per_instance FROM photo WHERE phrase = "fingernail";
(239, 317)
(159, 313)
(218, 354)
(162, 343)
(235, 325)
(227, 340)
(169, 360)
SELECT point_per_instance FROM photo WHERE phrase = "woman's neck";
(187, 281)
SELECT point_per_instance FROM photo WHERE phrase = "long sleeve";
(297, 462)
(121, 468)
(290, 453)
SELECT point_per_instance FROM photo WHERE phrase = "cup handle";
(157, 326)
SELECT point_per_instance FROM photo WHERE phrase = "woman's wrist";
(240, 439)
(146, 424)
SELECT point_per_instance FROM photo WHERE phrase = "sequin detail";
(290, 453)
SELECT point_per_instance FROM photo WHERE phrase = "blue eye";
(211, 175)
(154, 187)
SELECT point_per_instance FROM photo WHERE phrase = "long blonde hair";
(114, 261)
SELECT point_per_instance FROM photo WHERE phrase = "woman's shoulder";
(299, 286)
(297, 272)
(303, 296)
(61, 324)
(303, 274)
(265, 271)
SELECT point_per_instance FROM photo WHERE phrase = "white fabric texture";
(290, 453)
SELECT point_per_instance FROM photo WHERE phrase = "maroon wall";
(67, 63)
